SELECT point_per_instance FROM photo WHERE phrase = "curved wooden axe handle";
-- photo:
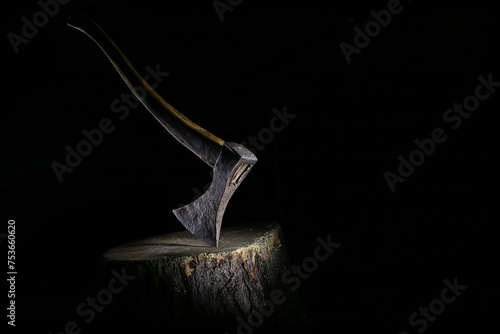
(201, 142)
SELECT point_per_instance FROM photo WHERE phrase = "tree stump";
(237, 287)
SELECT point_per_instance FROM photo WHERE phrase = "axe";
(231, 162)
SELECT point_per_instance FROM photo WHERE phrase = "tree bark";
(237, 287)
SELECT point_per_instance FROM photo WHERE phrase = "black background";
(322, 175)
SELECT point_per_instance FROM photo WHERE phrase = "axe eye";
(239, 174)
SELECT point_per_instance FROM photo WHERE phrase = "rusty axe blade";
(203, 217)
(231, 162)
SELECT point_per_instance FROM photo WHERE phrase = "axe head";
(203, 217)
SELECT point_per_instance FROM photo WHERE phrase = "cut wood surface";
(184, 281)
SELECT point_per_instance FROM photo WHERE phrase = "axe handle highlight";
(201, 142)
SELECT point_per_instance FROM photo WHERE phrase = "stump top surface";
(183, 243)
